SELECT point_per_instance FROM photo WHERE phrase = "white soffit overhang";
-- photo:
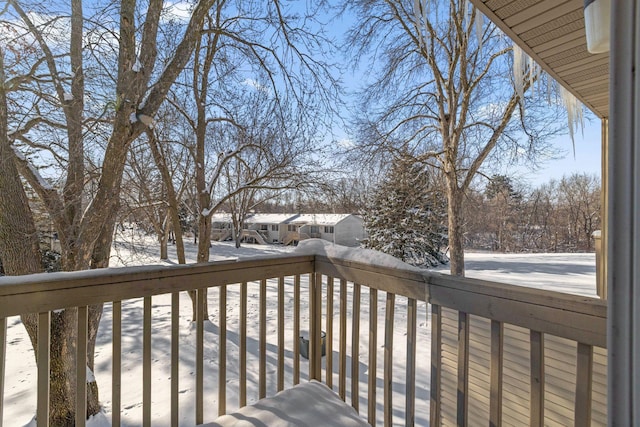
(552, 33)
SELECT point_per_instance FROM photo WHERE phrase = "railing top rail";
(52, 291)
(575, 317)
(580, 318)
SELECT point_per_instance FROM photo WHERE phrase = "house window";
(292, 228)
(315, 229)
(274, 227)
(264, 227)
(328, 229)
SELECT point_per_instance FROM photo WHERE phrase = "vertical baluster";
(342, 370)
(497, 357)
(175, 357)
(3, 353)
(280, 333)
(200, 302)
(463, 368)
(116, 377)
(44, 365)
(410, 401)
(537, 379)
(222, 352)
(373, 354)
(388, 359)
(315, 326)
(262, 370)
(81, 367)
(243, 344)
(584, 384)
(355, 349)
(329, 327)
(436, 365)
(296, 330)
(146, 363)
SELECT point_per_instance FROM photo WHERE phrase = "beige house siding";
(559, 367)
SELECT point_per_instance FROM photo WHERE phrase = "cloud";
(256, 85)
(177, 10)
(346, 143)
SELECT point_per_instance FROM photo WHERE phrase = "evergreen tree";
(407, 214)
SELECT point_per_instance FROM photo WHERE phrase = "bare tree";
(579, 196)
(255, 69)
(443, 90)
(63, 119)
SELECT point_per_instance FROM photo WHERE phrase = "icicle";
(518, 70)
(532, 70)
(575, 115)
(479, 21)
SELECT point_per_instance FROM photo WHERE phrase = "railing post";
(355, 349)
(463, 368)
(584, 385)
(175, 357)
(3, 353)
(280, 333)
(537, 379)
(116, 364)
(315, 325)
(436, 364)
(373, 348)
(388, 359)
(497, 360)
(262, 341)
(199, 406)
(329, 340)
(146, 363)
(222, 351)
(410, 401)
(243, 345)
(296, 330)
(342, 369)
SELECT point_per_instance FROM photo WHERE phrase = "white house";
(289, 228)
(270, 228)
(221, 226)
(343, 229)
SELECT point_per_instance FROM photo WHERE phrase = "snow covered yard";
(574, 273)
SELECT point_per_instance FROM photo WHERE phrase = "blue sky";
(587, 156)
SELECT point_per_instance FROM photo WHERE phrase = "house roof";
(318, 219)
(552, 33)
(268, 218)
(221, 217)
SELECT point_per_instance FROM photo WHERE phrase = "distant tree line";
(500, 214)
(559, 216)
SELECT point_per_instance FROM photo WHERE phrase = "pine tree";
(407, 214)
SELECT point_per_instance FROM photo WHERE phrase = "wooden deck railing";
(492, 352)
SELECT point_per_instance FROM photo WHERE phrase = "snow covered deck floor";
(306, 404)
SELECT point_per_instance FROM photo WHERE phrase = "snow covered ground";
(573, 273)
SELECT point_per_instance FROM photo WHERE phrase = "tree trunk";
(204, 246)
(456, 233)
(20, 253)
(172, 198)
(164, 238)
